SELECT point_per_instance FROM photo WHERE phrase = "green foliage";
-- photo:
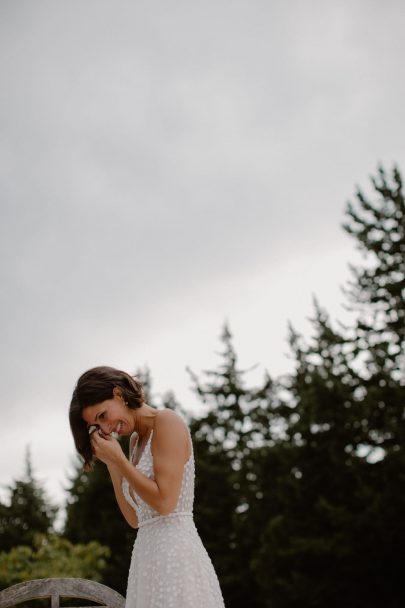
(52, 556)
(377, 290)
(378, 295)
(225, 438)
(339, 531)
(300, 489)
(28, 512)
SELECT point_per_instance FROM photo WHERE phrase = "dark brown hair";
(95, 386)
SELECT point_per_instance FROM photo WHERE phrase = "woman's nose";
(105, 428)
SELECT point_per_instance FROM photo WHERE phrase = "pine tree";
(339, 529)
(318, 494)
(377, 294)
(235, 425)
(377, 291)
(28, 512)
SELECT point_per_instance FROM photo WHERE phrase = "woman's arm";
(170, 446)
(128, 512)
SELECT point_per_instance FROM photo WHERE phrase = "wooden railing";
(55, 588)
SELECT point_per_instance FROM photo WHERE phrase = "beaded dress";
(170, 567)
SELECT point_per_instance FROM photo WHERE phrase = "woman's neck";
(144, 420)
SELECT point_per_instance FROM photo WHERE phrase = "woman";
(154, 488)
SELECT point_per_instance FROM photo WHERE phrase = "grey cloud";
(149, 150)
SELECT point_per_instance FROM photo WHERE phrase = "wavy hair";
(95, 386)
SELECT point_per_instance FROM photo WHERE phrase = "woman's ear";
(117, 392)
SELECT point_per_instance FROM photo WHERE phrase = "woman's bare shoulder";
(169, 420)
(171, 433)
(170, 426)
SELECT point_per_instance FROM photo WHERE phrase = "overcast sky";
(167, 166)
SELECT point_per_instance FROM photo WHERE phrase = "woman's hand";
(106, 449)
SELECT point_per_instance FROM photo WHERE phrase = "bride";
(154, 488)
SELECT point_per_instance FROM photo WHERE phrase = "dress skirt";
(170, 567)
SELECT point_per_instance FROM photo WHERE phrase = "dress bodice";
(145, 465)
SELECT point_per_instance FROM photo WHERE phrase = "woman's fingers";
(94, 439)
(103, 447)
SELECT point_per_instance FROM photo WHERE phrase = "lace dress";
(170, 567)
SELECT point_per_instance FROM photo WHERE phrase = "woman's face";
(111, 416)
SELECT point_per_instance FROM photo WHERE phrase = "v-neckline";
(143, 451)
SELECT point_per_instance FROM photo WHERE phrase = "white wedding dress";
(170, 567)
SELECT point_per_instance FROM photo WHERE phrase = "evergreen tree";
(304, 541)
(225, 438)
(28, 512)
(377, 293)
(339, 530)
